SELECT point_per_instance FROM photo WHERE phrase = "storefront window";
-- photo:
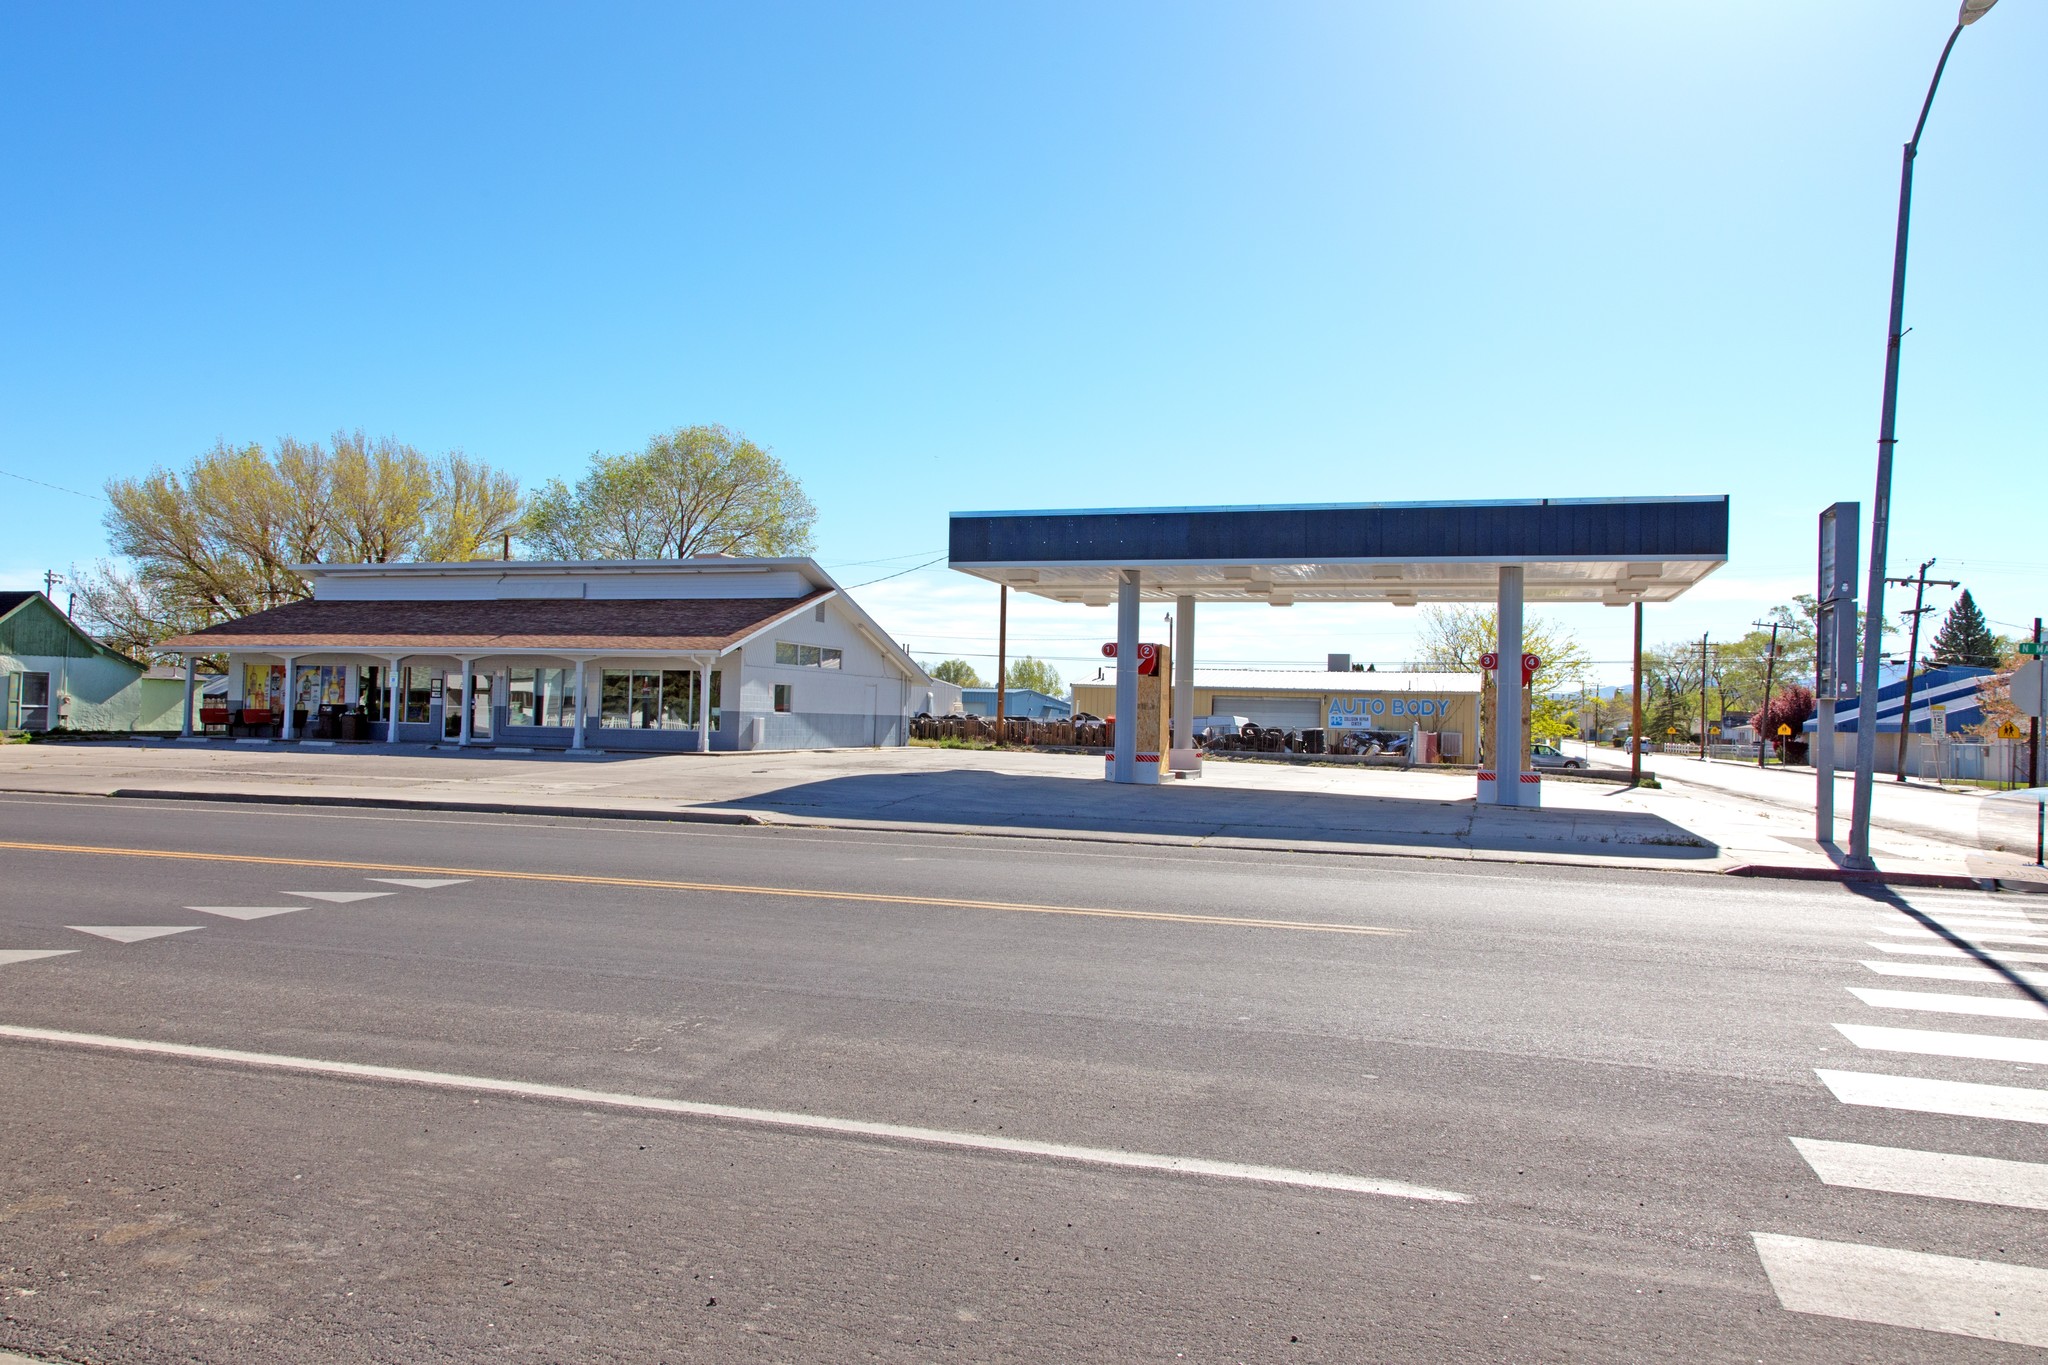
(541, 696)
(418, 687)
(783, 699)
(647, 700)
(678, 700)
(614, 699)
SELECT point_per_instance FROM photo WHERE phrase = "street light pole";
(1880, 518)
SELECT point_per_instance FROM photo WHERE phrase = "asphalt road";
(628, 1092)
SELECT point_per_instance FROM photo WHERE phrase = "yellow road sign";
(2011, 731)
(1784, 729)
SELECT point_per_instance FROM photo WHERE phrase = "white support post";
(704, 705)
(291, 695)
(1510, 748)
(582, 678)
(191, 676)
(1124, 761)
(1184, 758)
(468, 701)
(397, 701)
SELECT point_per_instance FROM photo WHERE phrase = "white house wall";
(829, 707)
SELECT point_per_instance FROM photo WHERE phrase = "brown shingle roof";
(683, 626)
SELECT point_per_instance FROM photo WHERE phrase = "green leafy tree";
(693, 491)
(1965, 637)
(220, 538)
(1034, 674)
(956, 671)
(1451, 639)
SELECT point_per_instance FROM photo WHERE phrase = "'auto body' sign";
(1380, 713)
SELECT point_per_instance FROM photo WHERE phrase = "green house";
(54, 676)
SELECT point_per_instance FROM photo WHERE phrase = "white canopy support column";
(704, 705)
(1124, 760)
(1184, 758)
(468, 701)
(1510, 748)
(291, 694)
(191, 676)
(582, 681)
(396, 700)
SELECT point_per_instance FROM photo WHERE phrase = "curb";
(1953, 881)
(687, 817)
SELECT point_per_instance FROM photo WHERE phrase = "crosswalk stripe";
(1936, 971)
(1934, 1175)
(1960, 925)
(1944, 950)
(1914, 931)
(1990, 1007)
(9, 956)
(1993, 1300)
(1965, 1099)
(1990, 1047)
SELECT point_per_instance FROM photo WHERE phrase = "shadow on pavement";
(1024, 802)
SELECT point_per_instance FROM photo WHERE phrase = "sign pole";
(1002, 656)
(2034, 725)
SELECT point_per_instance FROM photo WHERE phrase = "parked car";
(1549, 756)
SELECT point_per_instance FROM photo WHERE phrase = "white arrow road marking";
(418, 883)
(761, 1118)
(1936, 1175)
(1991, 1047)
(341, 897)
(9, 956)
(1988, 1299)
(1966, 1099)
(132, 933)
(246, 911)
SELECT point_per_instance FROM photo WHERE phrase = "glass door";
(480, 706)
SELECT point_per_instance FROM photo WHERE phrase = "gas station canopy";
(1606, 550)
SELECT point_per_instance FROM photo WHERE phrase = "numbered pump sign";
(1490, 661)
(1148, 658)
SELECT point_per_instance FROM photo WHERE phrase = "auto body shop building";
(1442, 704)
(712, 653)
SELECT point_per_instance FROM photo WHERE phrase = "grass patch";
(952, 742)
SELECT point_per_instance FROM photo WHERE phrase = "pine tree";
(1965, 637)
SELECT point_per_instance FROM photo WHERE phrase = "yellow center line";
(653, 884)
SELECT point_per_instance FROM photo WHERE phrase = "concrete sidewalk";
(1311, 808)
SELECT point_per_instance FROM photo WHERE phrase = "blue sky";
(947, 257)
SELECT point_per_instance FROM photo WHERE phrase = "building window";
(418, 687)
(643, 699)
(806, 656)
(542, 696)
(782, 696)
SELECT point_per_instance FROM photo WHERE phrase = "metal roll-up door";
(1277, 713)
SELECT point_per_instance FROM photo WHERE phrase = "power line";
(868, 563)
(898, 574)
(89, 497)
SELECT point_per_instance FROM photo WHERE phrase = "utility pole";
(1635, 706)
(2034, 727)
(1919, 582)
(1703, 696)
(1002, 656)
(1770, 673)
(51, 578)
